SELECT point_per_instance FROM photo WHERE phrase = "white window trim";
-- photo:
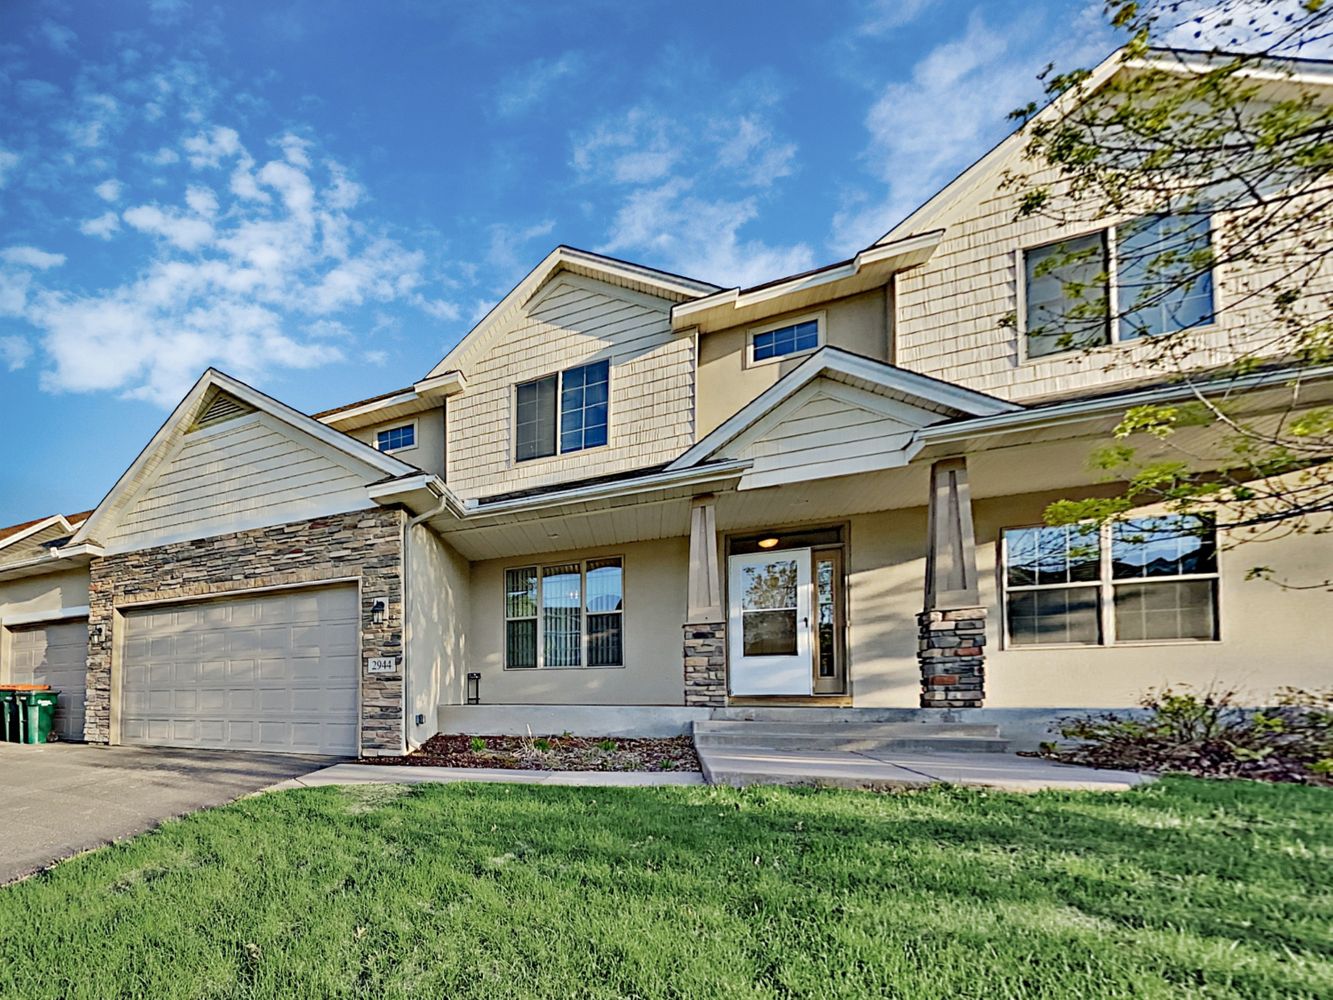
(821, 321)
(514, 460)
(1105, 585)
(1116, 341)
(583, 614)
(416, 438)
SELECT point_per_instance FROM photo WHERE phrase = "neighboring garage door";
(276, 672)
(56, 654)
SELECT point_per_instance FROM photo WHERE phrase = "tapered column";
(952, 625)
(705, 646)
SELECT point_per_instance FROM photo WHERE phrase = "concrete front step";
(848, 737)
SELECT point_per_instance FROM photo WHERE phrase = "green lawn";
(1185, 888)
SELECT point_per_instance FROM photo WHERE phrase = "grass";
(1184, 888)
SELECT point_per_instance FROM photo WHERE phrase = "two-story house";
(628, 499)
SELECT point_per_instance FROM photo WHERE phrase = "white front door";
(770, 623)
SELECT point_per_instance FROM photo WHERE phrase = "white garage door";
(276, 672)
(56, 654)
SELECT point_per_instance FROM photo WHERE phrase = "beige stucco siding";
(246, 473)
(1266, 640)
(726, 383)
(574, 321)
(38, 595)
(435, 637)
(655, 574)
(428, 454)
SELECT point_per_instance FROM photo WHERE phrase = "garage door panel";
(266, 673)
(54, 653)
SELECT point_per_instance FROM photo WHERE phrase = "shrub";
(542, 744)
(1210, 735)
(478, 744)
(608, 745)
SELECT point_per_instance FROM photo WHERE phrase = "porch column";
(952, 627)
(705, 625)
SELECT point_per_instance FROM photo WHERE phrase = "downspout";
(408, 525)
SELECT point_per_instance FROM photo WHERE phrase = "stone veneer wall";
(706, 665)
(952, 657)
(365, 544)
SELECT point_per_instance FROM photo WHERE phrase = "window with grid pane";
(567, 615)
(583, 406)
(1144, 580)
(793, 339)
(1066, 297)
(1163, 282)
(534, 431)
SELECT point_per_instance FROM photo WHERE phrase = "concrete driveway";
(62, 798)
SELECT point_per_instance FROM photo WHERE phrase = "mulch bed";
(551, 753)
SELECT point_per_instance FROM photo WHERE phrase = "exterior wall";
(655, 592)
(38, 595)
(438, 611)
(365, 546)
(949, 310)
(237, 475)
(858, 324)
(1266, 633)
(428, 454)
(574, 321)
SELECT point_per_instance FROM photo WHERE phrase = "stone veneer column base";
(952, 656)
(706, 665)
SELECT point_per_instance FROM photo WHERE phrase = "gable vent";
(220, 409)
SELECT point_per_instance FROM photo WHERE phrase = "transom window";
(579, 421)
(1142, 278)
(799, 337)
(397, 438)
(1147, 580)
(565, 615)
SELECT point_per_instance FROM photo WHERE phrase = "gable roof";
(17, 532)
(210, 385)
(635, 277)
(931, 214)
(877, 377)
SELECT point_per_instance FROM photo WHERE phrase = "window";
(580, 421)
(397, 438)
(1147, 580)
(1162, 283)
(773, 342)
(566, 615)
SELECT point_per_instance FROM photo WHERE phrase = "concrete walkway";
(1005, 771)
(401, 774)
(767, 767)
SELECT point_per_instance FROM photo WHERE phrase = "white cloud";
(882, 16)
(180, 230)
(376, 358)
(924, 130)
(1242, 25)
(58, 36)
(508, 247)
(14, 352)
(25, 256)
(208, 149)
(636, 148)
(102, 226)
(525, 89)
(167, 11)
(109, 190)
(8, 161)
(164, 157)
(699, 237)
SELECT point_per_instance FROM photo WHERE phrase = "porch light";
(767, 543)
(377, 608)
(474, 689)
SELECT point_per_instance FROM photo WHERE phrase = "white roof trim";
(425, 392)
(560, 257)
(38, 528)
(180, 419)
(832, 360)
(911, 247)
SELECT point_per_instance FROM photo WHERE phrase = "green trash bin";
(39, 714)
(9, 716)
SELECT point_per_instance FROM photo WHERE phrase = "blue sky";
(322, 197)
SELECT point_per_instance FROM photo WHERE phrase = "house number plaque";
(381, 664)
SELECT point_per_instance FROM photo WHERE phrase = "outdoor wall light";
(474, 689)
(767, 543)
(377, 608)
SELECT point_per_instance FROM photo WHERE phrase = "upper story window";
(568, 409)
(781, 340)
(1145, 277)
(1147, 580)
(397, 438)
